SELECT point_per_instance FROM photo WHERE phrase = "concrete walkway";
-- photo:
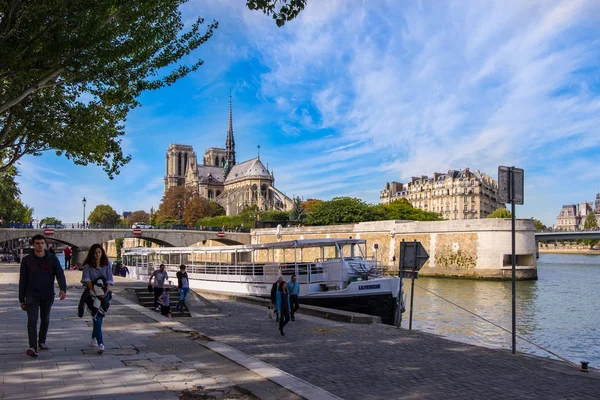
(147, 356)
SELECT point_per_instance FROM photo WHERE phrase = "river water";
(559, 312)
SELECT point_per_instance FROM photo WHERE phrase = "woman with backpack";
(98, 279)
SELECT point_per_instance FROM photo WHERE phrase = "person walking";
(183, 284)
(97, 277)
(282, 305)
(36, 292)
(160, 276)
(67, 253)
(164, 300)
(274, 289)
(294, 290)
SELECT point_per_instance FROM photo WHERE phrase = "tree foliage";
(184, 205)
(71, 71)
(50, 220)
(104, 215)
(298, 212)
(539, 225)
(401, 209)
(500, 213)
(311, 204)
(138, 216)
(280, 10)
(12, 208)
(340, 210)
(590, 223)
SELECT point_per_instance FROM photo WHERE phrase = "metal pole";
(84, 215)
(412, 287)
(514, 262)
(401, 293)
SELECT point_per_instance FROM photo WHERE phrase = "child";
(163, 300)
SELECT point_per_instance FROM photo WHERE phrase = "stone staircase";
(146, 299)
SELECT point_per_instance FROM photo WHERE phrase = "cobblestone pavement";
(382, 362)
(143, 358)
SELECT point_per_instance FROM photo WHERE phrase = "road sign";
(413, 256)
(48, 231)
(409, 274)
(137, 231)
(221, 234)
(510, 190)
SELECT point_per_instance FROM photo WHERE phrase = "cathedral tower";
(178, 157)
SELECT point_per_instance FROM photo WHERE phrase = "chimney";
(467, 172)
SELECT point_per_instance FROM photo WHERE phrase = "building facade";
(456, 195)
(572, 216)
(220, 178)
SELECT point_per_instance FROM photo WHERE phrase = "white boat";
(332, 273)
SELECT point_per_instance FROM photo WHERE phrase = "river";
(560, 311)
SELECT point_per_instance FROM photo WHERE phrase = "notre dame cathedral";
(219, 178)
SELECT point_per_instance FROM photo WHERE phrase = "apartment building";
(465, 194)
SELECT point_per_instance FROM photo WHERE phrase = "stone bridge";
(82, 239)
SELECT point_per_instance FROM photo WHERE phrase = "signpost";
(48, 231)
(221, 235)
(511, 190)
(412, 258)
(137, 231)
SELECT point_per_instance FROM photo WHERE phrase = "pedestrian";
(183, 284)
(282, 305)
(123, 271)
(98, 279)
(160, 276)
(274, 299)
(67, 252)
(294, 290)
(164, 301)
(36, 292)
(115, 269)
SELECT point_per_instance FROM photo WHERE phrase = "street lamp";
(83, 202)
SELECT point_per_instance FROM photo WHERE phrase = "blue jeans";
(97, 325)
(183, 292)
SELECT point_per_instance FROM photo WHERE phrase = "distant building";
(219, 178)
(572, 216)
(126, 214)
(466, 194)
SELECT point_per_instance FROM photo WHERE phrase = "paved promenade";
(345, 360)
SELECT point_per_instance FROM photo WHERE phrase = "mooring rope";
(498, 326)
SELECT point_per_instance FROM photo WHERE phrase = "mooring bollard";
(584, 366)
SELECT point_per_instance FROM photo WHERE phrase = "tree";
(104, 215)
(119, 246)
(173, 203)
(11, 207)
(275, 215)
(216, 209)
(538, 225)
(50, 220)
(311, 205)
(71, 71)
(288, 9)
(197, 207)
(500, 213)
(138, 216)
(590, 223)
(339, 210)
(298, 213)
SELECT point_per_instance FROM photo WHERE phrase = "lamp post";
(83, 202)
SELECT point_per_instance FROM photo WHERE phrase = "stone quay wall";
(466, 248)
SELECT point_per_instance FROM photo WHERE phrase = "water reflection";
(557, 312)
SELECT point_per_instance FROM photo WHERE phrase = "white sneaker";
(94, 342)
(100, 348)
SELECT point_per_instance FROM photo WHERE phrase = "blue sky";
(353, 94)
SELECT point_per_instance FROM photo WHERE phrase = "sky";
(353, 94)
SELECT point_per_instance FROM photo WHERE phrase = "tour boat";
(332, 273)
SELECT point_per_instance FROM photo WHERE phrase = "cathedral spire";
(230, 143)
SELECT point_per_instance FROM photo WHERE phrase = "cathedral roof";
(207, 173)
(253, 168)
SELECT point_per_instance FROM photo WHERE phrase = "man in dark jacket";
(183, 284)
(36, 291)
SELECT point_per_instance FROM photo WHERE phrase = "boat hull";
(382, 305)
